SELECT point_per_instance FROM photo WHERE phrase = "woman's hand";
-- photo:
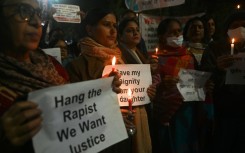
(170, 81)
(82, 14)
(151, 91)
(225, 61)
(116, 83)
(209, 87)
(154, 63)
(128, 123)
(21, 122)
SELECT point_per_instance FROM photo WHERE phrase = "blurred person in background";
(228, 98)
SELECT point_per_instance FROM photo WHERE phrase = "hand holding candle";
(113, 63)
(232, 46)
(131, 129)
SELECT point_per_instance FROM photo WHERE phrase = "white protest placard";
(80, 117)
(236, 73)
(67, 13)
(137, 77)
(191, 84)
(141, 5)
(55, 52)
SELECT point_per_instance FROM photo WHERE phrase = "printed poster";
(137, 78)
(67, 13)
(80, 117)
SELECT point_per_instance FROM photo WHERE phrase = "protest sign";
(55, 52)
(191, 84)
(236, 73)
(67, 13)
(80, 117)
(141, 5)
(137, 77)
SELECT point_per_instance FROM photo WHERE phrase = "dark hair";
(238, 15)
(189, 23)
(205, 18)
(53, 42)
(127, 12)
(164, 25)
(92, 18)
(50, 34)
(5, 37)
(124, 23)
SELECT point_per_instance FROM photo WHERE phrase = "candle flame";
(114, 60)
(238, 6)
(156, 50)
(233, 40)
(129, 93)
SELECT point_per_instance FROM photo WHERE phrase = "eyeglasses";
(26, 11)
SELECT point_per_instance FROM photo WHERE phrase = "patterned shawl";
(92, 48)
(25, 77)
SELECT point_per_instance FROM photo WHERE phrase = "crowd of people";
(168, 123)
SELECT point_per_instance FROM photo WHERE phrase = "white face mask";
(175, 41)
(238, 34)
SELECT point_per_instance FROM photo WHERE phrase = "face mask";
(175, 41)
(238, 34)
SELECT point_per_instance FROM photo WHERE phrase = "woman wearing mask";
(129, 36)
(228, 98)
(175, 119)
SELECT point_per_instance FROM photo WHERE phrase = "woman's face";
(174, 30)
(63, 48)
(105, 32)
(211, 27)
(131, 35)
(24, 33)
(195, 32)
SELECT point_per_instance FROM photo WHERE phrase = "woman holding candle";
(129, 38)
(98, 47)
(228, 99)
(176, 121)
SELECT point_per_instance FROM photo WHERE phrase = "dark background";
(220, 9)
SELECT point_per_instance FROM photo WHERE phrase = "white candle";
(156, 50)
(130, 100)
(232, 46)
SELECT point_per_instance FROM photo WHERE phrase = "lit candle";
(232, 46)
(113, 63)
(156, 50)
(130, 99)
(238, 6)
